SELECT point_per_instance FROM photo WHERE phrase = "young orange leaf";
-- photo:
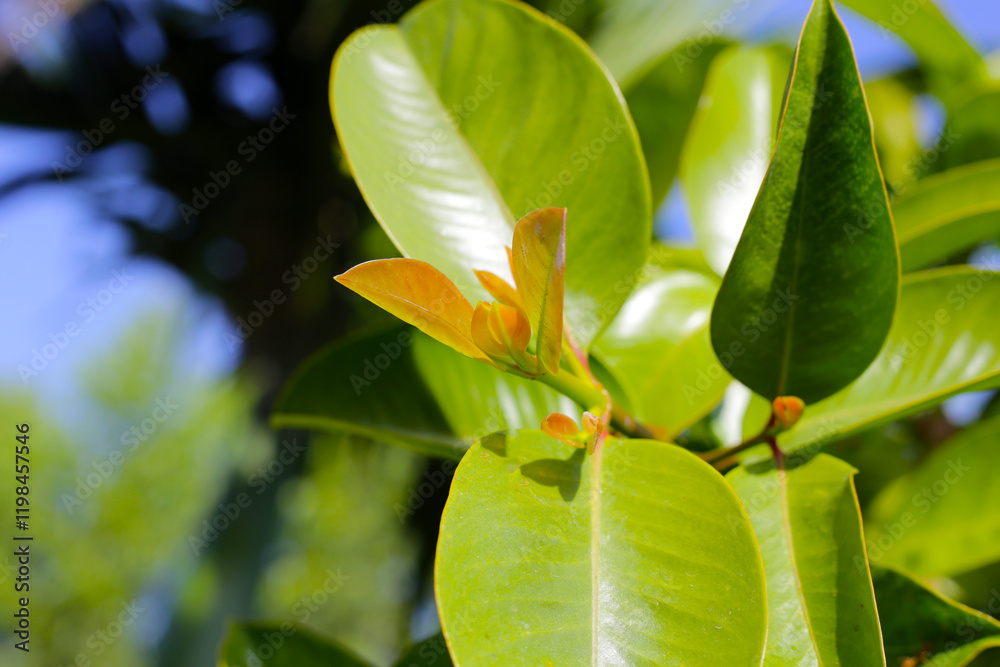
(420, 295)
(563, 428)
(484, 335)
(511, 326)
(500, 290)
(788, 409)
(539, 266)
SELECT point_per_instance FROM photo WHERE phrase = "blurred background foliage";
(137, 273)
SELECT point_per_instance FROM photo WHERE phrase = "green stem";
(593, 398)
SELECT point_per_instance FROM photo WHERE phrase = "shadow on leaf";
(564, 474)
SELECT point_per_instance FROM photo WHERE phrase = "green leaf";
(401, 387)
(634, 35)
(820, 601)
(662, 105)
(944, 341)
(938, 519)
(431, 651)
(948, 212)
(729, 145)
(941, 48)
(919, 623)
(658, 348)
(453, 130)
(638, 555)
(539, 263)
(805, 307)
(282, 645)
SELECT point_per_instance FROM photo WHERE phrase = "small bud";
(788, 410)
(563, 428)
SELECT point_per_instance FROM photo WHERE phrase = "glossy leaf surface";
(939, 519)
(420, 295)
(539, 257)
(282, 645)
(820, 601)
(944, 341)
(401, 387)
(728, 146)
(658, 348)
(439, 119)
(811, 304)
(948, 212)
(918, 623)
(639, 555)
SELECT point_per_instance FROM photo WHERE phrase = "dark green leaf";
(810, 304)
(433, 651)
(282, 645)
(918, 623)
(401, 387)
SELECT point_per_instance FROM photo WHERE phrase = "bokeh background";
(173, 205)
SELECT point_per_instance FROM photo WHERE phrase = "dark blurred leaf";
(919, 623)
(808, 303)
(404, 388)
(431, 651)
(282, 645)
(662, 105)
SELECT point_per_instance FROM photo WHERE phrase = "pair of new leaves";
(499, 333)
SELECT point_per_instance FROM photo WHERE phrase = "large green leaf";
(940, 519)
(918, 623)
(282, 645)
(948, 212)
(401, 387)
(663, 104)
(820, 601)
(659, 350)
(454, 130)
(728, 147)
(944, 341)
(808, 305)
(638, 555)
